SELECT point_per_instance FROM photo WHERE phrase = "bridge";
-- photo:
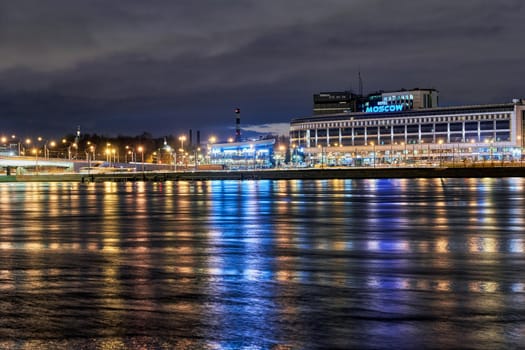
(35, 163)
(24, 165)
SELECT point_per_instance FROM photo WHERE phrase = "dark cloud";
(167, 66)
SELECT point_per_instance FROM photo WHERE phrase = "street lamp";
(28, 143)
(64, 141)
(211, 141)
(108, 159)
(182, 139)
(75, 146)
(52, 144)
(35, 152)
(141, 150)
(108, 152)
(440, 142)
(71, 144)
(40, 139)
(131, 152)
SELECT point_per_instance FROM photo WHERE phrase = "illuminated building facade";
(397, 101)
(390, 136)
(10, 149)
(257, 154)
(348, 102)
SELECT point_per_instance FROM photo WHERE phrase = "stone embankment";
(299, 174)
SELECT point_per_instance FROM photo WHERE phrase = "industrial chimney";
(237, 125)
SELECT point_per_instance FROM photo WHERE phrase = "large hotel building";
(406, 127)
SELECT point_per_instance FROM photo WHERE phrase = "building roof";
(244, 144)
(504, 107)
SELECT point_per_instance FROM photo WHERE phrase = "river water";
(336, 264)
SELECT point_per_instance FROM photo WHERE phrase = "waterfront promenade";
(277, 174)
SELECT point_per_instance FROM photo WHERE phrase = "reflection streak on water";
(254, 262)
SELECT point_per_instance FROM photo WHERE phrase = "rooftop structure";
(256, 154)
(347, 102)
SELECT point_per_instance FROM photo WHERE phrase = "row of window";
(498, 125)
(390, 121)
(409, 139)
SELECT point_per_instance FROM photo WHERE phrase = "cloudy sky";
(125, 67)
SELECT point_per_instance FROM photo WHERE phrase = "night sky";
(126, 67)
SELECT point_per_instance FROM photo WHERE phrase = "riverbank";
(277, 174)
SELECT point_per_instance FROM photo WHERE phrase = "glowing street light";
(108, 153)
(182, 139)
(131, 152)
(52, 144)
(141, 150)
(28, 143)
(69, 144)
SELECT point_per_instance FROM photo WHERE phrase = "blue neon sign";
(380, 109)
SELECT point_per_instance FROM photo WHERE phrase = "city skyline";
(165, 68)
